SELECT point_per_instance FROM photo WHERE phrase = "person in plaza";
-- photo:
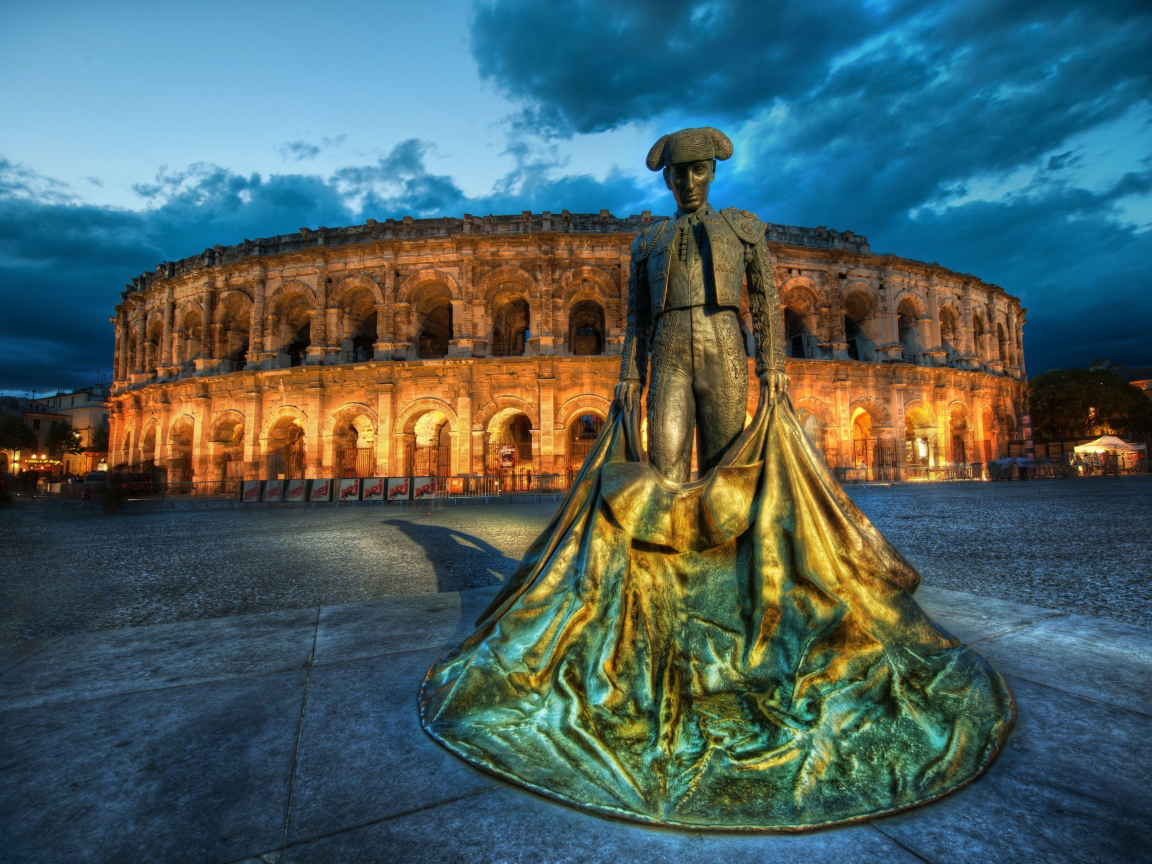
(740, 651)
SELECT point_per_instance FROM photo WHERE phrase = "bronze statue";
(737, 652)
(685, 279)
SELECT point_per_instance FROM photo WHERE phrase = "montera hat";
(689, 145)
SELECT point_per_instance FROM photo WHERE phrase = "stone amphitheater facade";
(484, 345)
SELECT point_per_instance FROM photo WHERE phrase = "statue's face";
(689, 182)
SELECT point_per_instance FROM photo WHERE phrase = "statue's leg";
(671, 405)
(720, 385)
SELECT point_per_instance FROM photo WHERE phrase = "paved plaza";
(264, 707)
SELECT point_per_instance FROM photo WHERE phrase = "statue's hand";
(776, 383)
(628, 395)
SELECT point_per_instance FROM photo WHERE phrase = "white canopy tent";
(1108, 444)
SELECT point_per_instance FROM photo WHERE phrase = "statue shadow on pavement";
(461, 561)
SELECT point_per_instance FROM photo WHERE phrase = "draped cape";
(741, 652)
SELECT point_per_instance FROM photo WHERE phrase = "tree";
(1078, 403)
(15, 434)
(99, 442)
(62, 438)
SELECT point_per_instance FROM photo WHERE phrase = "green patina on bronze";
(741, 652)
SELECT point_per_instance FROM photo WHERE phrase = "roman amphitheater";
(485, 346)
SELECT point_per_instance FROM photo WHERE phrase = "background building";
(87, 411)
(39, 417)
(487, 345)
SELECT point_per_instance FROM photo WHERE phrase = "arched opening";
(189, 337)
(907, 321)
(508, 444)
(949, 334)
(814, 429)
(863, 443)
(235, 327)
(180, 468)
(1001, 343)
(429, 452)
(292, 326)
(990, 443)
(126, 449)
(978, 331)
(354, 440)
(798, 339)
(958, 428)
(284, 459)
(510, 328)
(358, 326)
(434, 324)
(919, 438)
(153, 346)
(229, 455)
(857, 314)
(582, 433)
(148, 449)
(586, 328)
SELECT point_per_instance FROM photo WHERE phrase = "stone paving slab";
(364, 755)
(510, 825)
(187, 774)
(101, 663)
(969, 621)
(13, 653)
(221, 741)
(1105, 660)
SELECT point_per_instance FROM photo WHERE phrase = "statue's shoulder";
(644, 242)
(747, 226)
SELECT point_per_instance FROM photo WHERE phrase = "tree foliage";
(61, 438)
(100, 439)
(1078, 403)
(15, 434)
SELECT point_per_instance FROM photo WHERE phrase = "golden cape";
(741, 652)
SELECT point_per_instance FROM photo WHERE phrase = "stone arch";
(347, 411)
(176, 429)
(228, 301)
(501, 403)
(868, 297)
(921, 408)
(819, 409)
(420, 278)
(910, 298)
(351, 284)
(572, 280)
(274, 418)
(285, 289)
(587, 403)
(150, 427)
(406, 419)
(874, 408)
(802, 294)
(957, 406)
(225, 420)
(492, 283)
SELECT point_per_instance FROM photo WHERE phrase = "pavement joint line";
(1056, 614)
(1078, 695)
(39, 650)
(300, 730)
(893, 840)
(337, 831)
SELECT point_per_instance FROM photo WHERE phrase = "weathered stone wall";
(381, 338)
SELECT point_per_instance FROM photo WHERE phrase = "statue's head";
(688, 158)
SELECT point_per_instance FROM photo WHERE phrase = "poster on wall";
(294, 491)
(321, 490)
(349, 489)
(273, 490)
(250, 492)
(398, 489)
(373, 489)
(507, 455)
(423, 487)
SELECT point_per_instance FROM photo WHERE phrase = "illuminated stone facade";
(443, 345)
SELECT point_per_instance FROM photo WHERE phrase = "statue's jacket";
(738, 248)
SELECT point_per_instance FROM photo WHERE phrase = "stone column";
(462, 458)
(386, 415)
(117, 352)
(319, 333)
(896, 409)
(169, 315)
(208, 307)
(314, 407)
(253, 420)
(547, 413)
(256, 324)
(141, 323)
(201, 417)
(137, 437)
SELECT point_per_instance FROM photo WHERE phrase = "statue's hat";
(689, 145)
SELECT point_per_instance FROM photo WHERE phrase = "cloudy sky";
(1012, 140)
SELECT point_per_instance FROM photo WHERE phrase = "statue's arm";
(634, 362)
(767, 322)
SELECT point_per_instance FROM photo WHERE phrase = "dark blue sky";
(1008, 140)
